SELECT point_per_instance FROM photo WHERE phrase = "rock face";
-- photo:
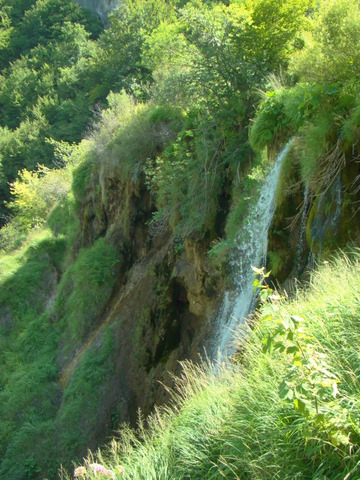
(310, 224)
(102, 8)
(167, 294)
(161, 309)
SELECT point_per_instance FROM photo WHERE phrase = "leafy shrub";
(35, 193)
(331, 52)
(128, 134)
(191, 171)
(271, 124)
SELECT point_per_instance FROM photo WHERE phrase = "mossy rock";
(323, 231)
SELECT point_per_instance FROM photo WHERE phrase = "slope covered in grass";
(286, 407)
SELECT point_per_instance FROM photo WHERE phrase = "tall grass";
(40, 422)
(230, 421)
(28, 371)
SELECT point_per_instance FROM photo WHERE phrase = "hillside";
(287, 406)
(146, 168)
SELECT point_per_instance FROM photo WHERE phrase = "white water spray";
(250, 250)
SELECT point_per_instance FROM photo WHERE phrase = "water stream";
(250, 250)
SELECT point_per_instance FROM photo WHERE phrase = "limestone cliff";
(160, 313)
(102, 8)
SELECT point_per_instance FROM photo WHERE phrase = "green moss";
(85, 289)
(82, 400)
(81, 177)
(275, 262)
(62, 217)
(140, 326)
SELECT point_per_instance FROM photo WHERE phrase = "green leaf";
(267, 341)
(292, 349)
(300, 406)
(256, 284)
(296, 320)
(279, 346)
(264, 294)
(285, 392)
(258, 271)
(339, 438)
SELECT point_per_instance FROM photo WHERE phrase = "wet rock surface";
(102, 8)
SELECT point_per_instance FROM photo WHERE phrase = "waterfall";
(250, 250)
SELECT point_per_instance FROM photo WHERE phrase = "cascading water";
(250, 250)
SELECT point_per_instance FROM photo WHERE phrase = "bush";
(332, 46)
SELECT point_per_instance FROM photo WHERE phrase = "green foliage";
(11, 237)
(184, 175)
(23, 147)
(42, 48)
(29, 396)
(127, 135)
(62, 217)
(207, 61)
(30, 399)
(83, 398)
(80, 303)
(81, 177)
(331, 51)
(289, 414)
(324, 114)
(323, 117)
(351, 126)
(271, 124)
(35, 193)
(308, 379)
(117, 63)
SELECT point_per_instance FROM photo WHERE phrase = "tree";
(332, 46)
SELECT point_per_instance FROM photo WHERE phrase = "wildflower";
(79, 472)
(101, 470)
(120, 469)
